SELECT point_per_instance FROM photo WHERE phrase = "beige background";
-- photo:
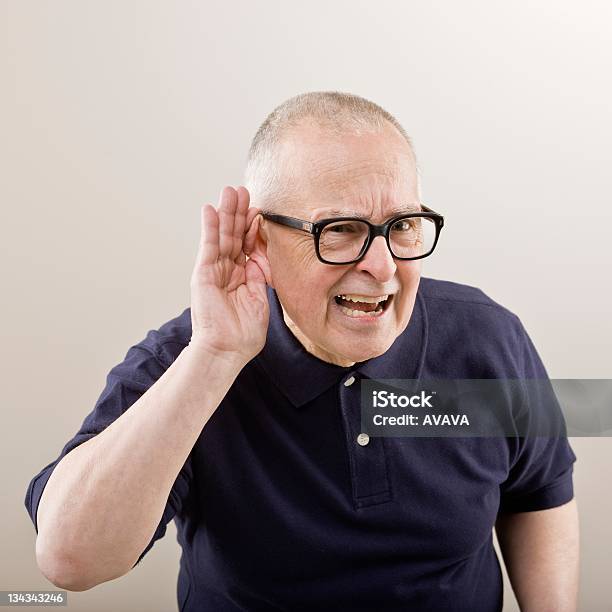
(120, 118)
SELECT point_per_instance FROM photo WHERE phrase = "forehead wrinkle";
(349, 212)
(353, 191)
(343, 175)
(339, 174)
(375, 197)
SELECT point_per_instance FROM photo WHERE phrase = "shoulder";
(459, 294)
(168, 340)
(456, 299)
(467, 326)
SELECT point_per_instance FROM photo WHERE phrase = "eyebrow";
(348, 212)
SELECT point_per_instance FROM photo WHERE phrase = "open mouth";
(359, 306)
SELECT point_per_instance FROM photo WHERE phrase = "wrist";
(201, 350)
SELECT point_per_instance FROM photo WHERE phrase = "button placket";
(367, 459)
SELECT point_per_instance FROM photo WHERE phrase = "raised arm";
(104, 499)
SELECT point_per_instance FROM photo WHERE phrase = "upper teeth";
(364, 298)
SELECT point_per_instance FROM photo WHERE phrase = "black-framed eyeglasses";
(345, 240)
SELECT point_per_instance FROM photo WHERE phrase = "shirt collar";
(301, 376)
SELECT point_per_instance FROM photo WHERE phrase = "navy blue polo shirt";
(278, 507)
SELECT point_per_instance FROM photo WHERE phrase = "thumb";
(262, 263)
(255, 280)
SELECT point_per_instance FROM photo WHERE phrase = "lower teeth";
(362, 313)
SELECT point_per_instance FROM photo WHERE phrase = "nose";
(378, 261)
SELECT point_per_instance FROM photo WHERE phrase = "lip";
(337, 309)
(373, 295)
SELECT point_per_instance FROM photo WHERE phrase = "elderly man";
(240, 418)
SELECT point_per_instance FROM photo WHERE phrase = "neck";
(312, 348)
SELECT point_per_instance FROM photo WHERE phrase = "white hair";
(266, 178)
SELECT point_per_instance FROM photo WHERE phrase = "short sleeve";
(541, 467)
(125, 383)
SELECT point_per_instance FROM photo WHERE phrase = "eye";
(345, 228)
(405, 225)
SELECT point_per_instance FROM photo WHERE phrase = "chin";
(358, 354)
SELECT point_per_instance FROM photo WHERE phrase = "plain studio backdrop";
(121, 118)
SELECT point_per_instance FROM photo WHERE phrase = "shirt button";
(363, 439)
(349, 381)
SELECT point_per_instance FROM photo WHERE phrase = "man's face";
(371, 175)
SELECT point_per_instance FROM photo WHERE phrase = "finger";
(240, 220)
(241, 259)
(253, 228)
(255, 279)
(251, 215)
(263, 264)
(209, 236)
(227, 213)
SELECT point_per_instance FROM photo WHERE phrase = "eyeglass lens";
(343, 241)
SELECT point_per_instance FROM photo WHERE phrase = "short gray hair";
(335, 111)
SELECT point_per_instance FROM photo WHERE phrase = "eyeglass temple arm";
(430, 210)
(305, 226)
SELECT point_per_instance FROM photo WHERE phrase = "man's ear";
(256, 247)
